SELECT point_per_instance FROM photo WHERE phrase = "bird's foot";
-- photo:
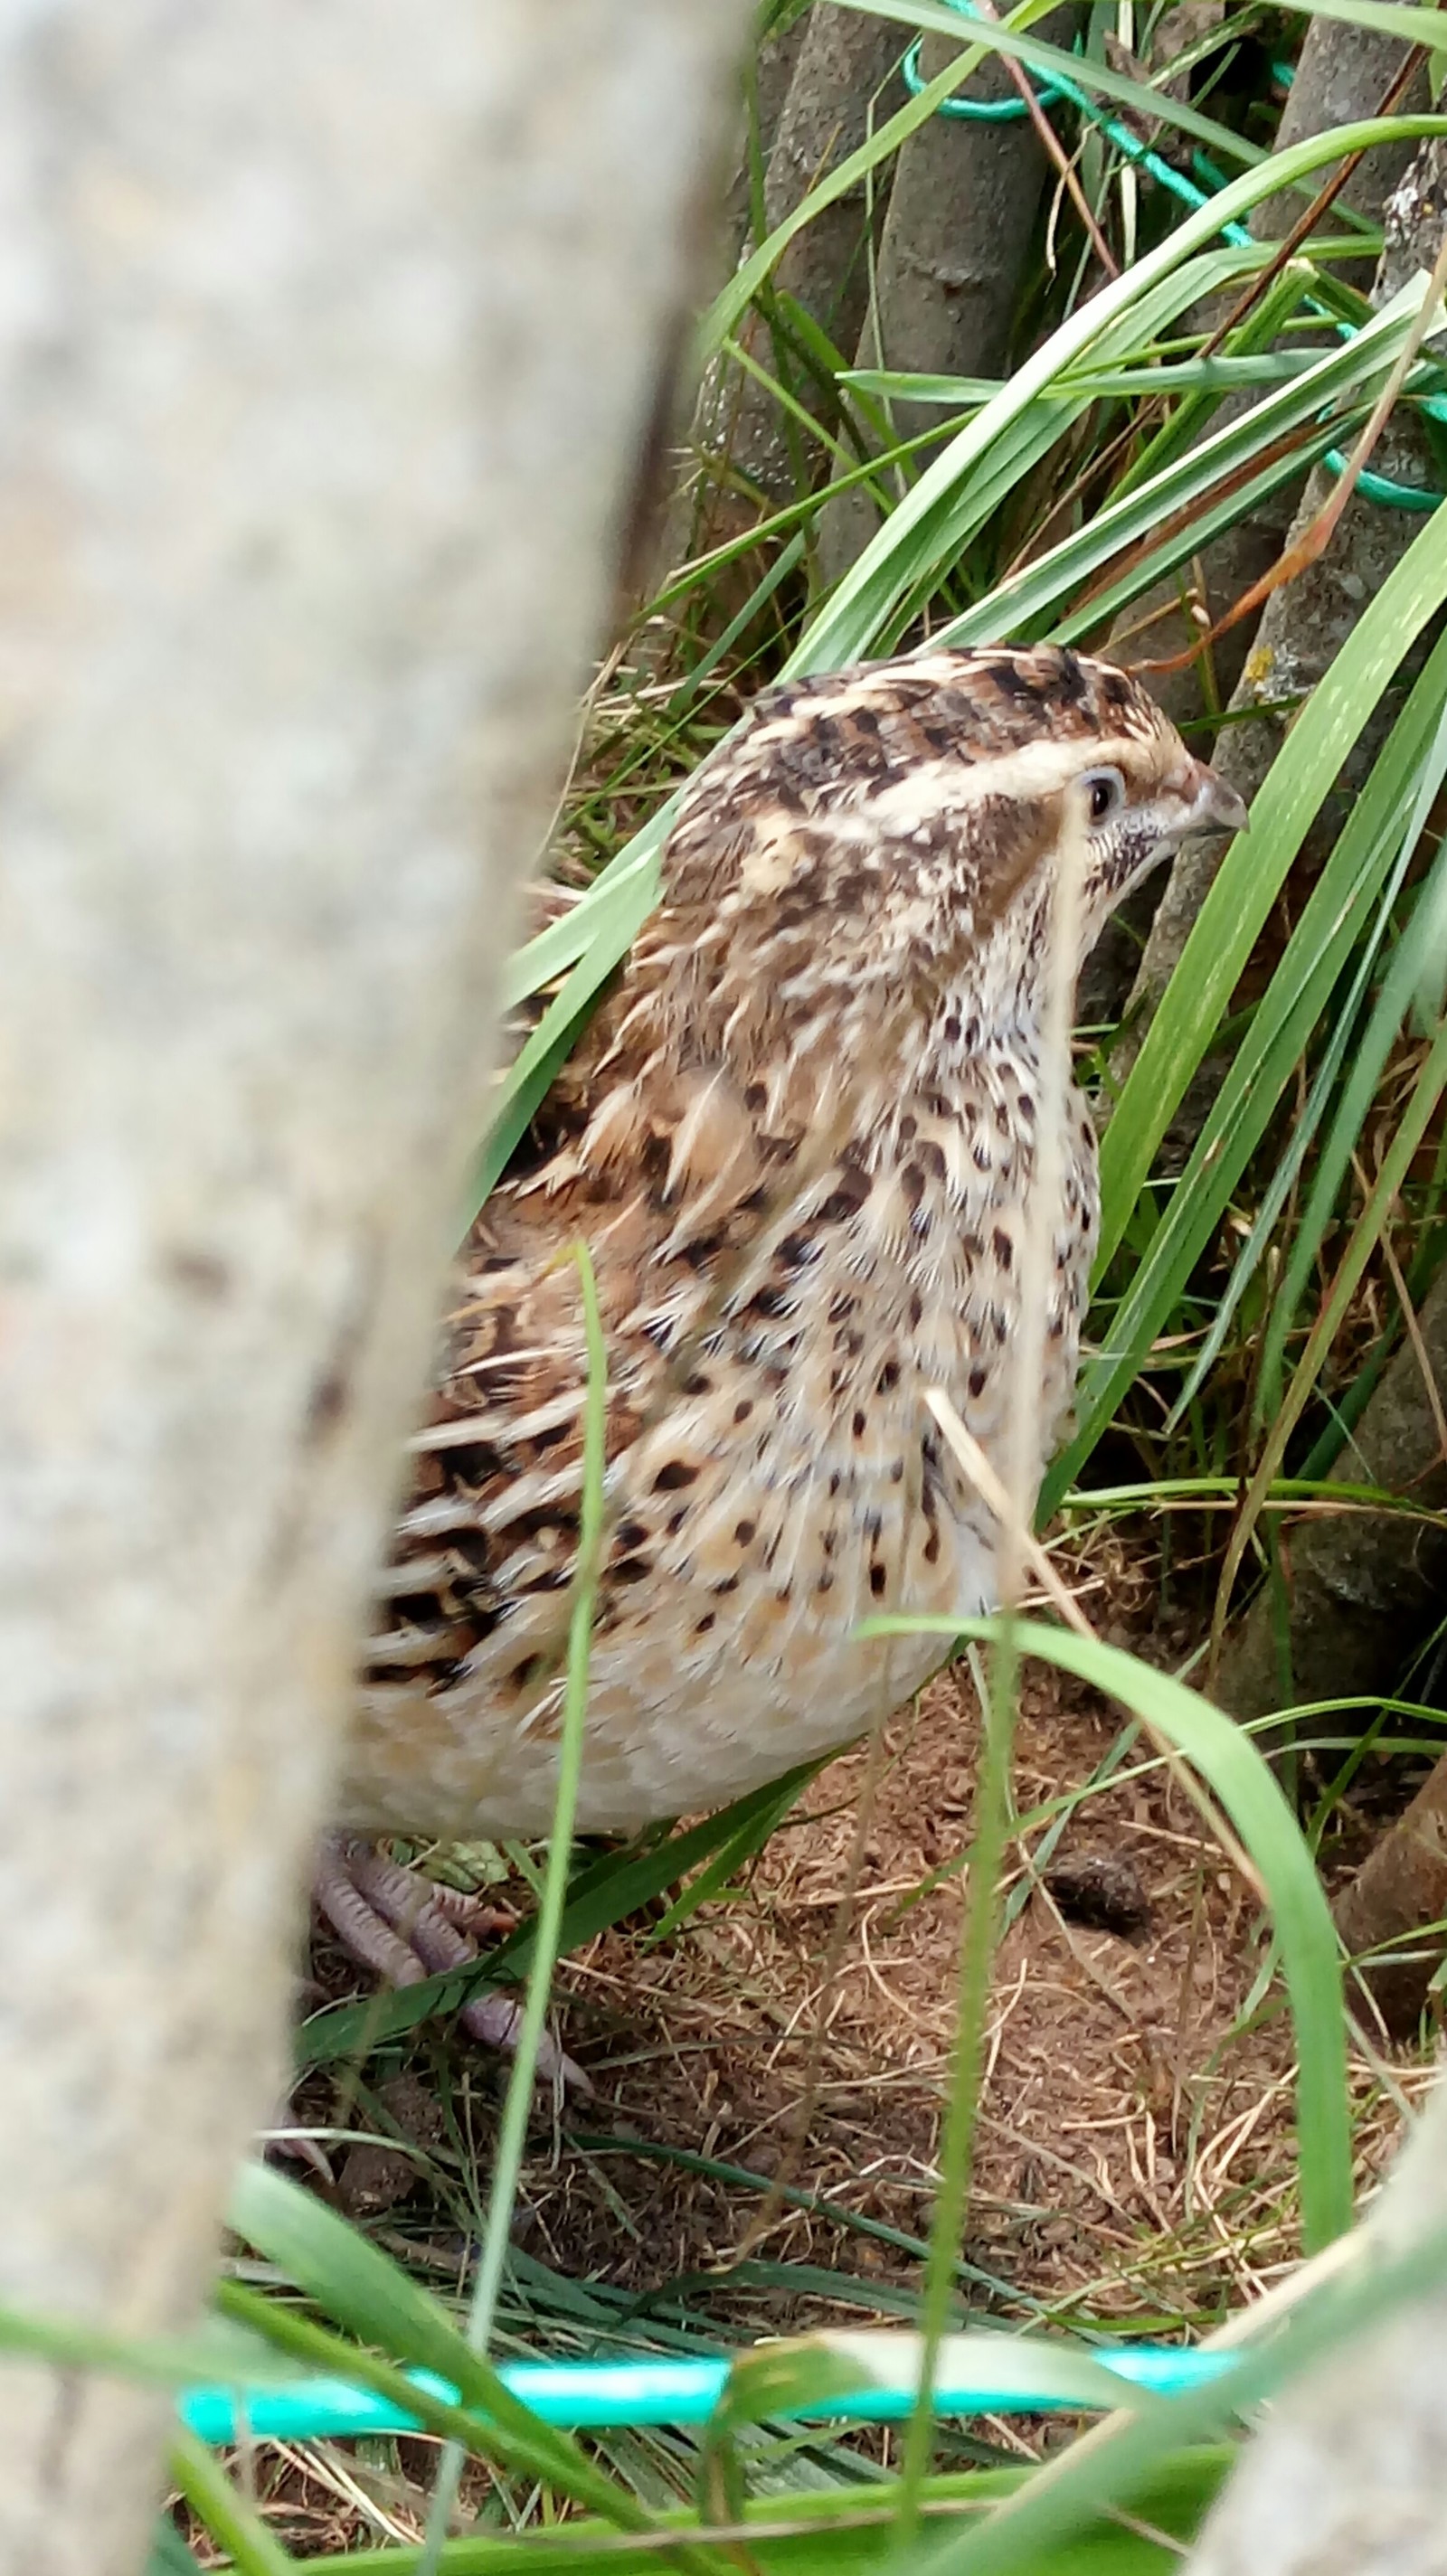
(406, 1927)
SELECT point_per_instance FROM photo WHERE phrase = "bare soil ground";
(1134, 2151)
(770, 2079)
(761, 2151)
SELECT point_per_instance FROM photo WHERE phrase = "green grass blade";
(169, 2553)
(813, 2533)
(917, 539)
(1286, 1175)
(512, 2136)
(227, 2516)
(1255, 868)
(1269, 1056)
(354, 2282)
(1343, 377)
(602, 1894)
(1427, 1091)
(1369, 1059)
(1085, 71)
(730, 305)
(794, 2196)
(1414, 26)
(1238, 1777)
(1091, 2477)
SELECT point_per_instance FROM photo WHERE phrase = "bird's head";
(895, 830)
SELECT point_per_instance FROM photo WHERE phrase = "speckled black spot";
(888, 1377)
(421, 1609)
(860, 1426)
(876, 1581)
(474, 1464)
(1070, 679)
(768, 1302)
(703, 1248)
(552, 1520)
(744, 1531)
(675, 1472)
(846, 1198)
(1010, 679)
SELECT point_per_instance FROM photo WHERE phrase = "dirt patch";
(761, 2154)
(1135, 2156)
(1125, 2125)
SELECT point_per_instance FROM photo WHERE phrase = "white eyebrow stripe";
(1033, 769)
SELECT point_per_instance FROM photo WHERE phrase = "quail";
(797, 1138)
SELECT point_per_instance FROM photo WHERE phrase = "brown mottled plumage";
(797, 1137)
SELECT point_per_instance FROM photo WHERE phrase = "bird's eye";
(1104, 793)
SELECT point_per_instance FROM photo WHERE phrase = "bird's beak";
(1215, 804)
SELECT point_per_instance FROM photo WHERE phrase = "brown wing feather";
(672, 1199)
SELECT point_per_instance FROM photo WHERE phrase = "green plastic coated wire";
(978, 111)
(1381, 488)
(601, 2396)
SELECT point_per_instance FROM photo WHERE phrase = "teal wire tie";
(978, 111)
(606, 2396)
(1418, 499)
